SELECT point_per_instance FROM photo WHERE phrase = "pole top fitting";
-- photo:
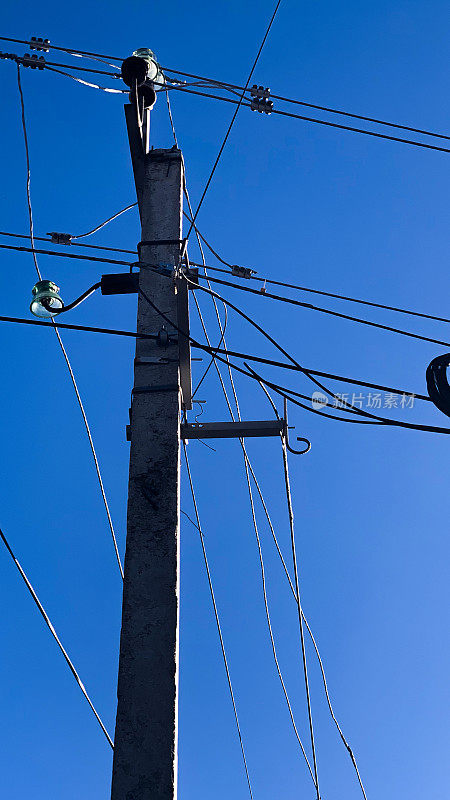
(141, 66)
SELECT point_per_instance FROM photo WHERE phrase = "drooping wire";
(102, 224)
(93, 451)
(55, 635)
(299, 608)
(86, 83)
(27, 154)
(239, 102)
(216, 615)
(322, 670)
(60, 342)
(248, 470)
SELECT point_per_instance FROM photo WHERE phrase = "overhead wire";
(266, 280)
(55, 635)
(69, 243)
(216, 615)
(328, 109)
(302, 369)
(322, 669)
(311, 307)
(248, 470)
(327, 123)
(239, 102)
(102, 224)
(60, 342)
(299, 608)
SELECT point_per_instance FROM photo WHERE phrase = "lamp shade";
(46, 301)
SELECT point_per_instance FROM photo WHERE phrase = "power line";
(248, 467)
(102, 224)
(328, 109)
(69, 243)
(70, 50)
(319, 121)
(55, 635)
(264, 280)
(28, 184)
(65, 255)
(216, 614)
(60, 342)
(254, 291)
(238, 104)
(311, 307)
(216, 351)
(299, 608)
(344, 404)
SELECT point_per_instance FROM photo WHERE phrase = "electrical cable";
(28, 184)
(70, 243)
(299, 608)
(71, 50)
(343, 404)
(329, 110)
(102, 224)
(239, 102)
(65, 255)
(248, 468)
(60, 342)
(305, 372)
(324, 680)
(271, 527)
(290, 301)
(55, 636)
(291, 115)
(265, 280)
(86, 83)
(216, 614)
(311, 307)
(216, 351)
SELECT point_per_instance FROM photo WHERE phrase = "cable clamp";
(38, 43)
(33, 61)
(260, 91)
(10, 56)
(263, 106)
(242, 272)
(261, 101)
(60, 238)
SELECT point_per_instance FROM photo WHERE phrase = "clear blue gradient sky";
(300, 202)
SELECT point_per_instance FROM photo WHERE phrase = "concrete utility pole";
(145, 747)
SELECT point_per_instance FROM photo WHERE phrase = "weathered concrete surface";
(145, 749)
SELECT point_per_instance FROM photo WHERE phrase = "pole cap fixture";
(46, 301)
(141, 66)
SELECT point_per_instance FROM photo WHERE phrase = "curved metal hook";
(299, 438)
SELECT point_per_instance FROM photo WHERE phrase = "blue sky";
(298, 202)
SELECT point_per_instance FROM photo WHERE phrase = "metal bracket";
(231, 430)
